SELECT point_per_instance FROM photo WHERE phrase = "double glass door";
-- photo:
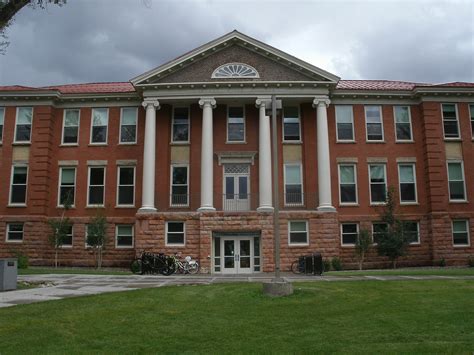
(237, 255)
(236, 187)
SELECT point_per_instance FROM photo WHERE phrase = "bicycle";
(150, 263)
(188, 266)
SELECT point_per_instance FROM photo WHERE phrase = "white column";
(264, 158)
(207, 161)
(148, 186)
(324, 167)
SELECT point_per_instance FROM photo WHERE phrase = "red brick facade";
(429, 151)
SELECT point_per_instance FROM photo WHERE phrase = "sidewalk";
(58, 286)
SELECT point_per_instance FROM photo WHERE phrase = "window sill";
(180, 206)
(14, 241)
(458, 201)
(97, 144)
(292, 245)
(236, 142)
(415, 244)
(69, 145)
(355, 204)
(129, 143)
(452, 139)
(125, 206)
(409, 204)
(61, 207)
(94, 206)
(65, 247)
(347, 245)
(180, 143)
(292, 142)
(176, 245)
(21, 143)
(462, 246)
(405, 142)
(378, 204)
(346, 142)
(375, 142)
(124, 247)
(19, 205)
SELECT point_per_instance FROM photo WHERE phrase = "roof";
(127, 87)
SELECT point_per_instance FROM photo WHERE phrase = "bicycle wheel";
(193, 268)
(169, 268)
(295, 267)
(137, 267)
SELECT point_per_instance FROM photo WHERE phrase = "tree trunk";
(361, 261)
(9, 10)
(394, 263)
(99, 260)
(56, 258)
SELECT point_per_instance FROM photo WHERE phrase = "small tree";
(59, 230)
(362, 246)
(96, 237)
(392, 243)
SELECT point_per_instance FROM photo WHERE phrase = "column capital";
(207, 101)
(151, 101)
(264, 100)
(321, 100)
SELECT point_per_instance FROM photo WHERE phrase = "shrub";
(442, 262)
(326, 265)
(363, 245)
(23, 260)
(336, 263)
(471, 261)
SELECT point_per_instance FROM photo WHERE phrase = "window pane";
(129, 116)
(175, 238)
(292, 174)
(344, 131)
(298, 226)
(128, 134)
(70, 134)
(460, 226)
(403, 131)
(124, 230)
(229, 187)
(20, 174)
(298, 237)
(374, 131)
(99, 134)
(96, 176)
(372, 114)
(455, 171)
(180, 132)
(126, 176)
(66, 195)
(401, 114)
(349, 228)
(71, 118)
(180, 175)
(18, 194)
(243, 187)
(235, 131)
(344, 114)
(292, 131)
(378, 193)
(348, 193)
(377, 173)
(25, 115)
(2, 114)
(406, 173)
(181, 113)
(456, 190)
(125, 195)
(290, 112)
(23, 133)
(96, 195)
(347, 174)
(67, 176)
(99, 117)
(407, 192)
(175, 227)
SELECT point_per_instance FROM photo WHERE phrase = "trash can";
(8, 274)
(318, 264)
(309, 264)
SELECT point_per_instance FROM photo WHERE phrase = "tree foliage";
(59, 229)
(362, 246)
(96, 237)
(392, 243)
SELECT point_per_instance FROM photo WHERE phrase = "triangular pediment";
(235, 56)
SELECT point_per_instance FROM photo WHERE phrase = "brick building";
(179, 159)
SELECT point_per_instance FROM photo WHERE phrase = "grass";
(350, 317)
(64, 270)
(407, 272)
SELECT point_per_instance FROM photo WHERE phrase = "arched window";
(235, 70)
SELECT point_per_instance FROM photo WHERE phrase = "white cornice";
(226, 40)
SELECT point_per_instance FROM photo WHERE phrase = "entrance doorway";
(236, 253)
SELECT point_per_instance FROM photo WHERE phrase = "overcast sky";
(116, 40)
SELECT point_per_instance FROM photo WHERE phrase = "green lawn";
(407, 272)
(366, 316)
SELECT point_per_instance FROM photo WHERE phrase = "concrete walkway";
(58, 286)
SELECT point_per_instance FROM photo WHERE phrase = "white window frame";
(289, 232)
(171, 185)
(370, 184)
(418, 242)
(136, 126)
(471, 118)
(69, 246)
(59, 185)
(341, 233)
(116, 236)
(411, 140)
(245, 125)
(117, 204)
(92, 126)
(7, 240)
(463, 178)
(64, 125)
(338, 140)
(413, 165)
(354, 165)
(3, 109)
(466, 221)
(88, 184)
(457, 122)
(10, 203)
(172, 125)
(381, 125)
(283, 126)
(16, 125)
(373, 223)
(284, 184)
(184, 234)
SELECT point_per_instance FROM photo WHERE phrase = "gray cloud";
(87, 40)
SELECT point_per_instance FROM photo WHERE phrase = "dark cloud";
(116, 40)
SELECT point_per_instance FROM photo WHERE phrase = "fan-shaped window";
(235, 70)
